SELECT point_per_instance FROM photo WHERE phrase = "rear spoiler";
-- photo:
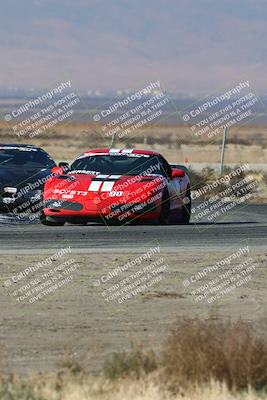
(178, 166)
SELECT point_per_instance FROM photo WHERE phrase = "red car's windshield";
(119, 165)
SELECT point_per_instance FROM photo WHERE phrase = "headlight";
(9, 189)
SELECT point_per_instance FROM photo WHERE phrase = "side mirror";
(177, 173)
(64, 165)
(57, 170)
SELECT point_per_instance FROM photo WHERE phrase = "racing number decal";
(106, 185)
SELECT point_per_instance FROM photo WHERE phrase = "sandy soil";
(76, 317)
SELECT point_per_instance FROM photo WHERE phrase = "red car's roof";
(108, 151)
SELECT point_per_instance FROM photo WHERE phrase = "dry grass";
(136, 363)
(197, 352)
(100, 389)
(200, 351)
(175, 142)
(201, 178)
(200, 360)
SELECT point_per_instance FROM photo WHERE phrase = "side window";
(166, 167)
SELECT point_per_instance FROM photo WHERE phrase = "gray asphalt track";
(244, 224)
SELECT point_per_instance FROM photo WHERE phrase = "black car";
(24, 170)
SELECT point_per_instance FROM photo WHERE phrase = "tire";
(113, 222)
(77, 222)
(186, 209)
(50, 221)
(165, 209)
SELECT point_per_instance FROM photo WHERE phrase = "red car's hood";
(85, 186)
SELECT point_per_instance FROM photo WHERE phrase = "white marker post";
(113, 139)
(223, 149)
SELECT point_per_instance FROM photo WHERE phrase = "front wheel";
(50, 221)
(186, 208)
(165, 209)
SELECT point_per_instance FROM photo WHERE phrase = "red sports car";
(116, 186)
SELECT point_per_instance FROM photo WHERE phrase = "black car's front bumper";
(10, 201)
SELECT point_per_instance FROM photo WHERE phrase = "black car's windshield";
(23, 157)
(133, 164)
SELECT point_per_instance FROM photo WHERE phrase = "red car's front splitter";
(73, 210)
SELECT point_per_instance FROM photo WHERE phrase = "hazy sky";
(189, 45)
